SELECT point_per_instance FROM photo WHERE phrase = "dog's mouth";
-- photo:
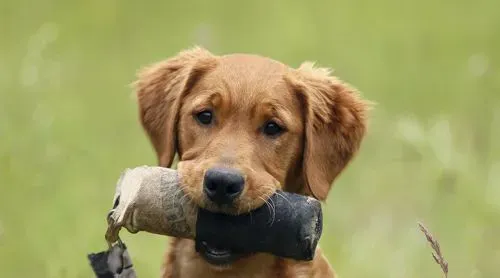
(218, 255)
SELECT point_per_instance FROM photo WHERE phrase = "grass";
(437, 255)
(68, 124)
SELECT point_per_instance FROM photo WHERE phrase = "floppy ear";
(160, 89)
(335, 124)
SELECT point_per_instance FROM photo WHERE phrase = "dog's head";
(244, 126)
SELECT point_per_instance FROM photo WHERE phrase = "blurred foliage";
(68, 123)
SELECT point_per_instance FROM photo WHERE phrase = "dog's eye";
(272, 129)
(204, 117)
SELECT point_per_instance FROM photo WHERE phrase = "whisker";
(272, 210)
(238, 211)
(250, 210)
(283, 196)
(173, 196)
(184, 198)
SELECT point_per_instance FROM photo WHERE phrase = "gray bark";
(151, 199)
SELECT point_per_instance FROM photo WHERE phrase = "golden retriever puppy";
(244, 126)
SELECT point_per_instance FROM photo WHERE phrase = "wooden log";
(151, 199)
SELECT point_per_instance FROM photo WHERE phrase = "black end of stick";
(112, 263)
(289, 227)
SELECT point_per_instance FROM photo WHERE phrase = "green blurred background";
(68, 123)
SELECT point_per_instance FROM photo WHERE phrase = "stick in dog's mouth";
(151, 199)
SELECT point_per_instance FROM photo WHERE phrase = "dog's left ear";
(335, 124)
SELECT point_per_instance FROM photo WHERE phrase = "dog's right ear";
(160, 89)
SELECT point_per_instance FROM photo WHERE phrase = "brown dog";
(244, 126)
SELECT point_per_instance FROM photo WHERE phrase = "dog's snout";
(223, 185)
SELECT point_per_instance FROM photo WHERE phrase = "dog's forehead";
(250, 71)
(251, 62)
(247, 76)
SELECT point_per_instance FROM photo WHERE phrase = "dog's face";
(240, 134)
(244, 126)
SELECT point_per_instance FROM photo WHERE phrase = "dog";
(244, 126)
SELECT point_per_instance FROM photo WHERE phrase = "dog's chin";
(218, 257)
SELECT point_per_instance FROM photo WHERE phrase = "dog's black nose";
(223, 185)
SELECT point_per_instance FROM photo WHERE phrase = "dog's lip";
(218, 256)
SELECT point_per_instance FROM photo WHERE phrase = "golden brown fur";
(324, 118)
